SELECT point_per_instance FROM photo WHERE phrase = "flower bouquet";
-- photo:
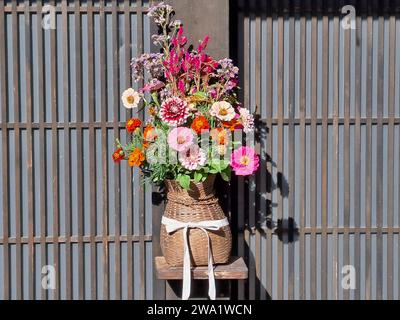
(193, 113)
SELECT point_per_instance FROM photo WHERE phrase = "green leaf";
(197, 177)
(184, 181)
(224, 164)
(226, 174)
(218, 165)
(155, 98)
(214, 164)
(201, 94)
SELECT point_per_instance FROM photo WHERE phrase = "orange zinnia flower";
(118, 155)
(149, 133)
(132, 124)
(220, 135)
(145, 145)
(200, 123)
(136, 158)
(232, 125)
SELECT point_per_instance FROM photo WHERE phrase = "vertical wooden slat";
(346, 147)
(390, 156)
(335, 127)
(292, 155)
(379, 159)
(54, 143)
(269, 83)
(302, 268)
(92, 151)
(261, 177)
(240, 181)
(67, 163)
(357, 155)
(117, 182)
(368, 164)
(280, 80)
(104, 154)
(29, 164)
(42, 145)
(142, 253)
(17, 141)
(254, 264)
(129, 208)
(246, 56)
(324, 156)
(313, 156)
(79, 150)
(4, 160)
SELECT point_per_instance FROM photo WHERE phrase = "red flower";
(203, 44)
(181, 86)
(118, 155)
(200, 123)
(180, 40)
(174, 111)
(172, 64)
(132, 124)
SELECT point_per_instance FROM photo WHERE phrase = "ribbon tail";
(211, 278)
(186, 266)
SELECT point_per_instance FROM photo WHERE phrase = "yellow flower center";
(244, 160)
(180, 140)
(223, 112)
(152, 111)
(130, 99)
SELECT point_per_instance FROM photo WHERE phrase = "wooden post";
(205, 17)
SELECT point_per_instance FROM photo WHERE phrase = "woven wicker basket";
(197, 204)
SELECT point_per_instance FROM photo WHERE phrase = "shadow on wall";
(286, 228)
(257, 214)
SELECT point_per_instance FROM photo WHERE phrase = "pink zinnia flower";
(193, 157)
(174, 111)
(244, 161)
(247, 120)
(180, 138)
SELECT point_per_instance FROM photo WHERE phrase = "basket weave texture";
(194, 205)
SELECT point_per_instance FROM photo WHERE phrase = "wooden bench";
(235, 269)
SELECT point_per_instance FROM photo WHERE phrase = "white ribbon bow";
(172, 225)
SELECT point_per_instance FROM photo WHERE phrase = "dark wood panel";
(45, 95)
